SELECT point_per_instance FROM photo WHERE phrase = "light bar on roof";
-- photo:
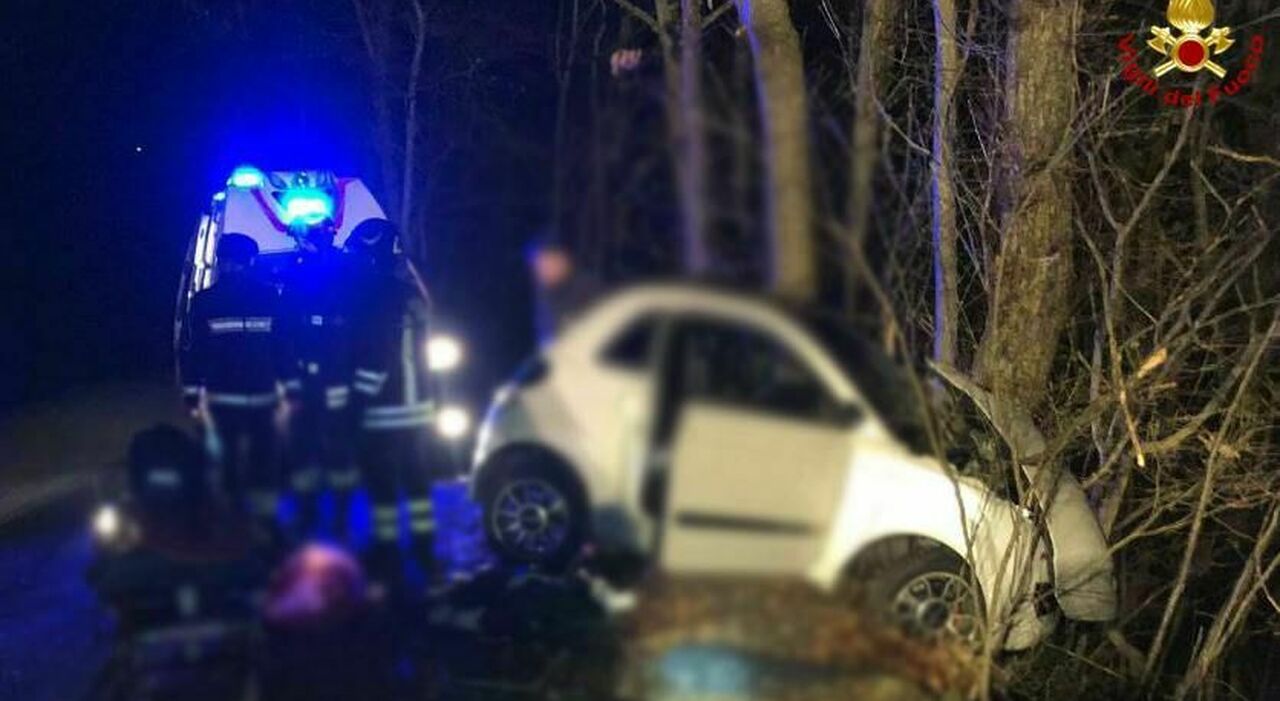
(306, 205)
(246, 177)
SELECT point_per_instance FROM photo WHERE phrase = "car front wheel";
(930, 594)
(533, 516)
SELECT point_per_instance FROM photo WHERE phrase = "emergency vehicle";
(263, 205)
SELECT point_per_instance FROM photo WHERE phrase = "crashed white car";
(725, 434)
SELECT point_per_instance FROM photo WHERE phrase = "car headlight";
(444, 353)
(107, 523)
(453, 422)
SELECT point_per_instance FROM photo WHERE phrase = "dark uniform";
(397, 446)
(316, 302)
(178, 560)
(234, 356)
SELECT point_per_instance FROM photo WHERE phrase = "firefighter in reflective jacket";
(316, 305)
(395, 396)
(233, 359)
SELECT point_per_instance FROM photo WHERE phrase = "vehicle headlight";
(444, 353)
(453, 422)
(107, 524)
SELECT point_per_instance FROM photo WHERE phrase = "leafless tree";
(381, 24)
(784, 118)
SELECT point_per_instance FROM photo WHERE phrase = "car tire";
(929, 594)
(534, 515)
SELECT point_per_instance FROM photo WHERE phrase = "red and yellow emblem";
(1188, 51)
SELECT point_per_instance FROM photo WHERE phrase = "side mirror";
(848, 414)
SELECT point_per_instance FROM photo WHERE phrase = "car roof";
(697, 293)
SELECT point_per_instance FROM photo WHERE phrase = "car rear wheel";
(534, 516)
(930, 595)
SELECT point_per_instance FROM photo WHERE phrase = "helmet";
(375, 238)
(166, 467)
(237, 249)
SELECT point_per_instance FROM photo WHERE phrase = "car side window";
(632, 348)
(733, 364)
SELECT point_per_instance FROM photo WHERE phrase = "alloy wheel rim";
(939, 606)
(531, 518)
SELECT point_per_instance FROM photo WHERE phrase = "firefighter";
(396, 403)
(316, 315)
(168, 525)
(234, 358)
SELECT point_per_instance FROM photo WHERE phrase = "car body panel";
(890, 494)
(786, 476)
(1084, 580)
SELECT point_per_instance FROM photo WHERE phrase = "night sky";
(119, 119)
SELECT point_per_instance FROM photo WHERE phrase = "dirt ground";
(687, 639)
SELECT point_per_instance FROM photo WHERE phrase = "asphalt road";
(54, 635)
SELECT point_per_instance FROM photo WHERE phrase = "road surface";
(54, 635)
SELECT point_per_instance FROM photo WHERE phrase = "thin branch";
(717, 13)
(644, 17)
(1244, 157)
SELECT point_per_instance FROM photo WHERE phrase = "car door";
(759, 452)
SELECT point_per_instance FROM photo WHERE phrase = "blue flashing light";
(306, 205)
(246, 177)
(219, 196)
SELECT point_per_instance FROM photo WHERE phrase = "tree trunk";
(1030, 291)
(946, 74)
(692, 143)
(784, 119)
(682, 77)
(873, 52)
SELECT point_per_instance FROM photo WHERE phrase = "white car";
(718, 433)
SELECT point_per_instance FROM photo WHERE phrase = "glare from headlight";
(453, 422)
(444, 353)
(106, 523)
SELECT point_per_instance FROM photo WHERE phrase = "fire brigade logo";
(1190, 51)
(1190, 44)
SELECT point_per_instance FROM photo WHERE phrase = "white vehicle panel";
(890, 493)
(258, 212)
(749, 492)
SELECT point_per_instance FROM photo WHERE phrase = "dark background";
(119, 119)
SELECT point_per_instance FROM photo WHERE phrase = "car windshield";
(883, 383)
